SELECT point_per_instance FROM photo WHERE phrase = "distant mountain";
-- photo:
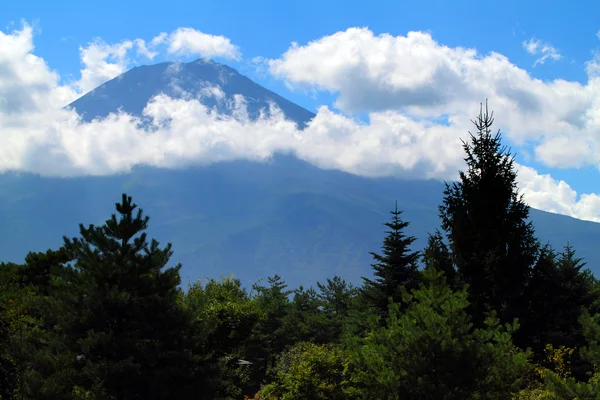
(131, 90)
(244, 218)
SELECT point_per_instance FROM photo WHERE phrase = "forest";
(485, 311)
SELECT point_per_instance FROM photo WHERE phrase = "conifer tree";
(395, 268)
(128, 336)
(486, 220)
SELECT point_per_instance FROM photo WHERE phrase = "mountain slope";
(244, 218)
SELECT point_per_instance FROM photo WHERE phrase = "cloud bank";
(405, 84)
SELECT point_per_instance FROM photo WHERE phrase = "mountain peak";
(132, 90)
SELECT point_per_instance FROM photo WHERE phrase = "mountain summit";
(214, 85)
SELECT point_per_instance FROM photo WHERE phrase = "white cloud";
(144, 50)
(417, 76)
(27, 84)
(189, 41)
(546, 193)
(102, 62)
(544, 50)
(39, 137)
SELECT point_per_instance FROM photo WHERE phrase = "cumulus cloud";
(546, 193)
(102, 62)
(40, 137)
(27, 84)
(189, 41)
(417, 76)
(543, 50)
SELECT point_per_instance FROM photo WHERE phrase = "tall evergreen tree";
(128, 335)
(486, 220)
(395, 268)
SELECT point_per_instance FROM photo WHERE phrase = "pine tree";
(395, 268)
(337, 298)
(129, 337)
(486, 221)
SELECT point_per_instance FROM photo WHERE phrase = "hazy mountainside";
(244, 218)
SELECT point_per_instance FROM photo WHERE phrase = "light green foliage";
(309, 371)
(432, 351)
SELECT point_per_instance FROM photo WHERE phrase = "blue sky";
(267, 29)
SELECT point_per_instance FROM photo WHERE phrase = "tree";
(338, 299)
(559, 290)
(270, 336)
(310, 371)
(27, 297)
(305, 320)
(12, 312)
(486, 221)
(433, 351)
(395, 268)
(122, 317)
(225, 309)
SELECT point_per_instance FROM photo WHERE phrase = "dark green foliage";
(437, 256)
(121, 317)
(558, 291)
(492, 243)
(11, 312)
(305, 320)
(269, 336)
(28, 314)
(339, 303)
(394, 269)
